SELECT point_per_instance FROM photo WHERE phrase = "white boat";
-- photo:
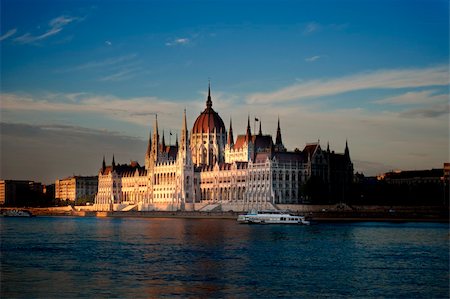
(271, 217)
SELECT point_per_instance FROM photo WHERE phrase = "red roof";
(207, 122)
(240, 141)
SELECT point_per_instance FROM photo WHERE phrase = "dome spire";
(208, 101)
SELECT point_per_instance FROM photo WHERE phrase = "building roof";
(262, 142)
(311, 148)
(172, 151)
(122, 169)
(240, 141)
(287, 157)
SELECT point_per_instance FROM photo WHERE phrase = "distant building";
(76, 187)
(435, 176)
(18, 192)
(210, 167)
(446, 171)
(49, 191)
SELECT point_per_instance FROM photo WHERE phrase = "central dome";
(209, 120)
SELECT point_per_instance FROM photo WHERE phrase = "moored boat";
(271, 217)
(17, 213)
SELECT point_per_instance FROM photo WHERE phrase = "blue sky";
(85, 78)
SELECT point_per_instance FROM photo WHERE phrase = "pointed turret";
(149, 146)
(278, 140)
(184, 152)
(328, 147)
(148, 153)
(347, 152)
(208, 101)
(176, 140)
(248, 135)
(155, 141)
(260, 131)
(184, 133)
(279, 147)
(230, 140)
(113, 164)
(163, 143)
(103, 164)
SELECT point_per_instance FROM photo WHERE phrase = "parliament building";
(210, 170)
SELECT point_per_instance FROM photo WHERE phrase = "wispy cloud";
(427, 112)
(121, 75)
(415, 97)
(312, 58)
(108, 43)
(56, 25)
(129, 110)
(311, 28)
(8, 34)
(385, 79)
(100, 64)
(178, 42)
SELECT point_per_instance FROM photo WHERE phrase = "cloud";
(134, 110)
(415, 97)
(429, 112)
(8, 34)
(311, 28)
(122, 75)
(382, 79)
(312, 58)
(100, 64)
(108, 43)
(43, 150)
(56, 25)
(178, 42)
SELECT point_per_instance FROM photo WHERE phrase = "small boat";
(271, 217)
(17, 213)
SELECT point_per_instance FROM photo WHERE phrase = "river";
(84, 257)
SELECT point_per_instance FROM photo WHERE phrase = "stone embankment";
(340, 212)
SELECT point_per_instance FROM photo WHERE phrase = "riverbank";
(368, 213)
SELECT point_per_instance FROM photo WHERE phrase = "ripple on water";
(69, 257)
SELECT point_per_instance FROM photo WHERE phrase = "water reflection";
(141, 258)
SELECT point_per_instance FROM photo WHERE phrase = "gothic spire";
(260, 131)
(230, 140)
(163, 142)
(176, 140)
(149, 145)
(156, 130)
(208, 101)
(103, 164)
(184, 133)
(113, 164)
(347, 152)
(248, 135)
(278, 139)
(155, 142)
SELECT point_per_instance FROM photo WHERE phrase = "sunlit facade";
(210, 171)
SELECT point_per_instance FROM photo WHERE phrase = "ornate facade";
(209, 170)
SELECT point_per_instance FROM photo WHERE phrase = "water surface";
(54, 257)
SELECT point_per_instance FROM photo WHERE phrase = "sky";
(84, 79)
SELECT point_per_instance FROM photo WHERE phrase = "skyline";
(81, 79)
